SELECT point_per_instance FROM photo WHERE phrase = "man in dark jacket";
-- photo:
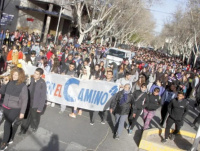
(140, 100)
(153, 105)
(177, 109)
(38, 91)
(121, 106)
(67, 62)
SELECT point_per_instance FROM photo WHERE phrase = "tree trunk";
(195, 60)
(183, 57)
(48, 20)
(80, 40)
(102, 40)
(115, 43)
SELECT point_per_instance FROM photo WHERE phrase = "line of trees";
(182, 32)
(128, 21)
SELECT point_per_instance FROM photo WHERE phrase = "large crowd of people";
(151, 80)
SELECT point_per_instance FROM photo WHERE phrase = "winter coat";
(178, 109)
(124, 108)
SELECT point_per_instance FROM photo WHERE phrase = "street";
(60, 132)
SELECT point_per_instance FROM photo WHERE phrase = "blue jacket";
(162, 89)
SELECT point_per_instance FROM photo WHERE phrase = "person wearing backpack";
(140, 99)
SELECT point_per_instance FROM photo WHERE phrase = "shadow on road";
(137, 136)
(182, 143)
(53, 145)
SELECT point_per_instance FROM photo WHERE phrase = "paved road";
(58, 132)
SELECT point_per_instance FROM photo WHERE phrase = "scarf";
(124, 97)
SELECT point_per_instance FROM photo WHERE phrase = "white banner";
(85, 94)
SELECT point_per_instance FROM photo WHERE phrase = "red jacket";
(9, 56)
(49, 54)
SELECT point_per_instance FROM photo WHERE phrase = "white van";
(117, 55)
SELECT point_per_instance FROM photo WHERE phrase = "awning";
(44, 12)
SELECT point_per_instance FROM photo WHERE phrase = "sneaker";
(10, 142)
(3, 147)
(48, 103)
(117, 137)
(127, 126)
(103, 122)
(91, 123)
(61, 112)
(52, 104)
(161, 125)
(33, 130)
(171, 136)
(164, 141)
(130, 132)
(72, 115)
(80, 112)
(192, 125)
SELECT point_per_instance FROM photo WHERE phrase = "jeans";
(119, 123)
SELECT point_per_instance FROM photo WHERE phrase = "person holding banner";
(109, 78)
(121, 106)
(84, 76)
(71, 72)
(38, 91)
(125, 80)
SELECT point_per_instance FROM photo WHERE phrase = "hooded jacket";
(154, 102)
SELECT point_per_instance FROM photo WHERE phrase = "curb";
(153, 146)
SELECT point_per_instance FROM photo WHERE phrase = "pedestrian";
(14, 104)
(177, 109)
(121, 106)
(153, 105)
(38, 91)
(168, 95)
(140, 101)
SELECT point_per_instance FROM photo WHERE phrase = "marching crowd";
(150, 81)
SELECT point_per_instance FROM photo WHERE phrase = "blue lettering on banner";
(67, 84)
(93, 97)
(88, 95)
(104, 97)
(81, 93)
(113, 90)
(98, 97)
(50, 87)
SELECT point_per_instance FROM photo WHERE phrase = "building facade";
(39, 16)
